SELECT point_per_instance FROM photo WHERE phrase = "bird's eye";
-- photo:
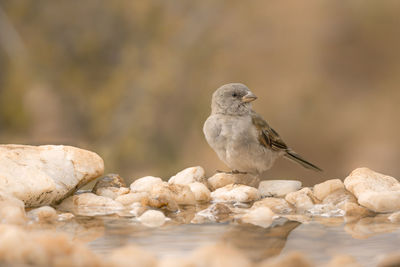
(234, 95)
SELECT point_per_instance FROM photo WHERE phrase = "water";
(365, 239)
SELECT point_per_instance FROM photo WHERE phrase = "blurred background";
(132, 80)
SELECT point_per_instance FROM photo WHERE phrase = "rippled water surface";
(366, 239)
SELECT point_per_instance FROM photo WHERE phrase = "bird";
(242, 139)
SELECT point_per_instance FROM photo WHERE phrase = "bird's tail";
(298, 159)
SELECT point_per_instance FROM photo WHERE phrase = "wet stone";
(110, 180)
(200, 191)
(278, 188)
(222, 179)
(261, 216)
(145, 184)
(303, 199)
(152, 218)
(216, 212)
(235, 193)
(188, 176)
(322, 190)
(277, 205)
(43, 214)
(112, 192)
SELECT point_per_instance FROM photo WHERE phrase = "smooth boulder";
(44, 175)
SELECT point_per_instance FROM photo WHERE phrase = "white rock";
(43, 214)
(43, 175)
(189, 175)
(12, 210)
(65, 216)
(112, 192)
(302, 199)
(181, 194)
(324, 189)
(375, 191)
(278, 188)
(152, 218)
(89, 204)
(222, 179)
(145, 184)
(261, 216)
(130, 198)
(235, 193)
(277, 205)
(200, 191)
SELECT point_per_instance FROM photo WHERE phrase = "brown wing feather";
(268, 136)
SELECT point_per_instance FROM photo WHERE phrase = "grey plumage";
(242, 139)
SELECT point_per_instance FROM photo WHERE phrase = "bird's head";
(232, 99)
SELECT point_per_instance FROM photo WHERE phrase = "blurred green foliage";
(132, 80)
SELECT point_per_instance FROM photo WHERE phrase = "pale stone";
(145, 184)
(152, 218)
(188, 176)
(112, 192)
(277, 205)
(200, 191)
(19, 247)
(222, 179)
(291, 259)
(89, 204)
(218, 255)
(342, 261)
(339, 197)
(375, 191)
(395, 217)
(325, 210)
(110, 180)
(235, 193)
(324, 189)
(44, 175)
(43, 214)
(261, 216)
(352, 209)
(65, 216)
(278, 188)
(131, 256)
(216, 212)
(181, 194)
(12, 210)
(302, 199)
(130, 198)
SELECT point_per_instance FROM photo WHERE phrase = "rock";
(188, 176)
(277, 205)
(89, 204)
(325, 210)
(12, 210)
(394, 217)
(216, 212)
(302, 199)
(131, 256)
(324, 189)
(145, 184)
(218, 255)
(235, 193)
(65, 216)
(278, 188)
(301, 218)
(375, 191)
(292, 259)
(222, 179)
(130, 198)
(339, 197)
(342, 261)
(44, 175)
(19, 247)
(181, 194)
(261, 216)
(43, 214)
(200, 191)
(152, 218)
(110, 180)
(352, 209)
(112, 192)
(390, 260)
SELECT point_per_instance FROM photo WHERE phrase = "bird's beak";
(249, 97)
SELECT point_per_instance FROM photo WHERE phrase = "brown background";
(132, 80)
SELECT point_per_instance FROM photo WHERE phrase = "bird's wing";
(267, 136)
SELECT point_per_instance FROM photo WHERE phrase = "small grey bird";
(242, 139)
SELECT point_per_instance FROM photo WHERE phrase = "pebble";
(375, 191)
(302, 199)
(152, 218)
(112, 192)
(200, 191)
(43, 214)
(222, 179)
(277, 205)
(235, 193)
(278, 188)
(130, 198)
(322, 190)
(261, 216)
(145, 184)
(188, 176)
(110, 180)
